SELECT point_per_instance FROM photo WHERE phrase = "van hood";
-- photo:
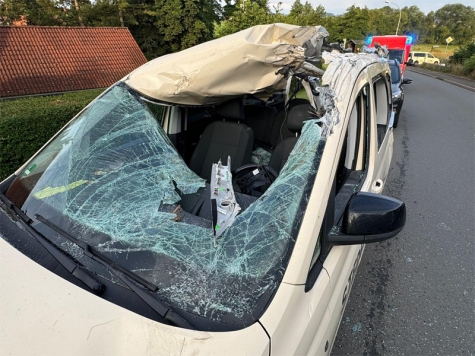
(47, 315)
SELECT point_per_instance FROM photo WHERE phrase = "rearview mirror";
(407, 81)
(368, 218)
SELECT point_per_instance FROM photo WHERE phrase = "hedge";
(27, 124)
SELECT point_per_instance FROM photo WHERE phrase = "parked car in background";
(397, 87)
(198, 207)
(416, 58)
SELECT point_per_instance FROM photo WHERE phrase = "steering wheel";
(254, 179)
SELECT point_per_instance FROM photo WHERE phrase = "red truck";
(398, 47)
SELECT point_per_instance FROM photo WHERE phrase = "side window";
(351, 172)
(156, 110)
(430, 55)
(382, 100)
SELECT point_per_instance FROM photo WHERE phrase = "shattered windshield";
(113, 178)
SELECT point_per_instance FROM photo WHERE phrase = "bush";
(436, 68)
(469, 65)
(27, 124)
(464, 53)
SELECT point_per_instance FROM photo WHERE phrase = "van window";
(397, 54)
(351, 171)
(419, 54)
(382, 101)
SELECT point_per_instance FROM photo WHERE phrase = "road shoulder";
(465, 83)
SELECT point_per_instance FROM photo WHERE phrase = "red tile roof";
(38, 60)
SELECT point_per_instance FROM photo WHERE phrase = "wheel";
(254, 179)
(436, 62)
(396, 120)
(397, 114)
(416, 63)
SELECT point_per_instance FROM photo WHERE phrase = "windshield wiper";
(73, 268)
(65, 261)
(164, 311)
(96, 255)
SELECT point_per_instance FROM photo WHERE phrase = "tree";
(354, 24)
(40, 12)
(246, 14)
(457, 21)
(305, 15)
(184, 23)
(384, 21)
(415, 19)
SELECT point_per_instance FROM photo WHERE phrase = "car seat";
(295, 120)
(222, 139)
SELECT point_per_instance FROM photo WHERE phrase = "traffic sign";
(449, 39)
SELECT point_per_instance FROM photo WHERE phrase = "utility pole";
(389, 2)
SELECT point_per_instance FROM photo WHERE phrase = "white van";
(417, 58)
(154, 223)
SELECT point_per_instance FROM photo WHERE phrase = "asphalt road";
(414, 294)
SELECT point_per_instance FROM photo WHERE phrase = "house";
(41, 60)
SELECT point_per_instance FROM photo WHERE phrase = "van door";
(352, 174)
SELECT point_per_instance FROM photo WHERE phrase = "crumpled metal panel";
(242, 63)
(338, 81)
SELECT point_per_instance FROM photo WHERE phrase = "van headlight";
(397, 96)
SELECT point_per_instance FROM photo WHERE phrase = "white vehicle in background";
(117, 238)
(417, 58)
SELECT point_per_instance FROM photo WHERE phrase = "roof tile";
(40, 60)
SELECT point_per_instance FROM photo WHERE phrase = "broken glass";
(114, 179)
(260, 156)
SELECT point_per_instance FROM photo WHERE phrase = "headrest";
(297, 115)
(232, 110)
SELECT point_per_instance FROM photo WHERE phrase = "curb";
(445, 80)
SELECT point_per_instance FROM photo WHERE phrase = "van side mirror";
(368, 218)
(407, 81)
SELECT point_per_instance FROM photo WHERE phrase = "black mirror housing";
(369, 218)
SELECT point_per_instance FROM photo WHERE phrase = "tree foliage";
(166, 26)
(457, 21)
(246, 14)
(305, 15)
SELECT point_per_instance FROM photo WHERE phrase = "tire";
(436, 62)
(397, 114)
(416, 63)
(396, 120)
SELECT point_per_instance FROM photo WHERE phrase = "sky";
(339, 7)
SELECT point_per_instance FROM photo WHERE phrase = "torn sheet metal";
(224, 207)
(379, 50)
(343, 68)
(245, 62)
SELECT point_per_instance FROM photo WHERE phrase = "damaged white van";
(214, 201)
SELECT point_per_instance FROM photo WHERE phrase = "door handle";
(378, 186)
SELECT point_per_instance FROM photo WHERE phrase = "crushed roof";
(254, 61)
(39, 60)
